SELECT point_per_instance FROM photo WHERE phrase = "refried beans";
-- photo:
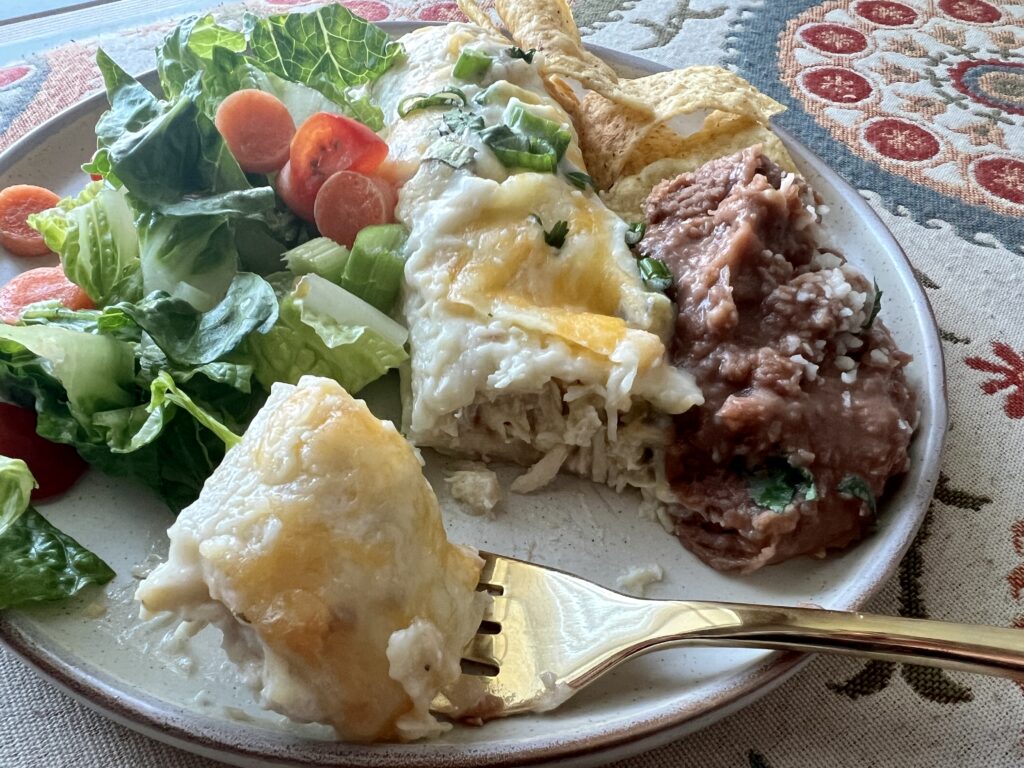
(807, 411)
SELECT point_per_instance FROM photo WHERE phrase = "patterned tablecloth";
(920, 104)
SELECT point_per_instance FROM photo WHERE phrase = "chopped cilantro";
(778, 484)
(875, 308)
(555, 237)
(580, 180)
(518, 53)
(459, 120)
(856, 486)
(450, 152)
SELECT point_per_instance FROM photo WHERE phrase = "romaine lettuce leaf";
(178, 154)
(191, 338)
(327, 49)
(37, 562)
(191, 48)
(303, 101)
(134, 428)
(217, 55)
(324, 330)
(132, 106)
(99, 392)
(192, 258)
(96, 372)
(16, 484)
(94, 233)
(330, 43)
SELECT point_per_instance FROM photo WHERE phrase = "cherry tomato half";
(56, 467)
(324, 145)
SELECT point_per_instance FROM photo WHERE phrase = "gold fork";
(547, 634)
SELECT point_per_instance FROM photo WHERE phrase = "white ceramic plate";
(95, 647)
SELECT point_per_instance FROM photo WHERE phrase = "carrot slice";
(349, 201)
(16, 203)
(258, 129)
(42, 284)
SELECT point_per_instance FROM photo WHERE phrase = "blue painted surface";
(22, 40)
(13, 9)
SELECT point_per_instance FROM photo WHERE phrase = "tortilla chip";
(548, 26)
(479, 16)
(563, 93)
(723, 135)
(614, 137)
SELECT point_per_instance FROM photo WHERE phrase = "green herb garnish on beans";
(876, 307)
(655, 274)
(856, 486)
(635, 233)
(778, 484)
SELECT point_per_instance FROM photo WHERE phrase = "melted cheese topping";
(317, 547)
(492, 308)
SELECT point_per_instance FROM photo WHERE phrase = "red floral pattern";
(977, 11)
(11, 75)
(1009, 375)
(930, 90)
(886, 13)
(834, 38)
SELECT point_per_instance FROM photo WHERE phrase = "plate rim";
(148, 715)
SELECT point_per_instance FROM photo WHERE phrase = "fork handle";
(997, 651)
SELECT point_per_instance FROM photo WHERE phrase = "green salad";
(207, 286)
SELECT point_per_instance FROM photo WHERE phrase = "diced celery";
(376, 265)
(319, 256)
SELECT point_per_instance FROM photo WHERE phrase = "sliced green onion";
(515, 150)
(518, 53)
(472, 65)
(555, 237)
(534, 126)
(319, 256)
(446, 97)
(482, 97)
(580, 180)
(459, 120)
(376, 265)
(655, 274)
(635, 233)
(450, 152)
